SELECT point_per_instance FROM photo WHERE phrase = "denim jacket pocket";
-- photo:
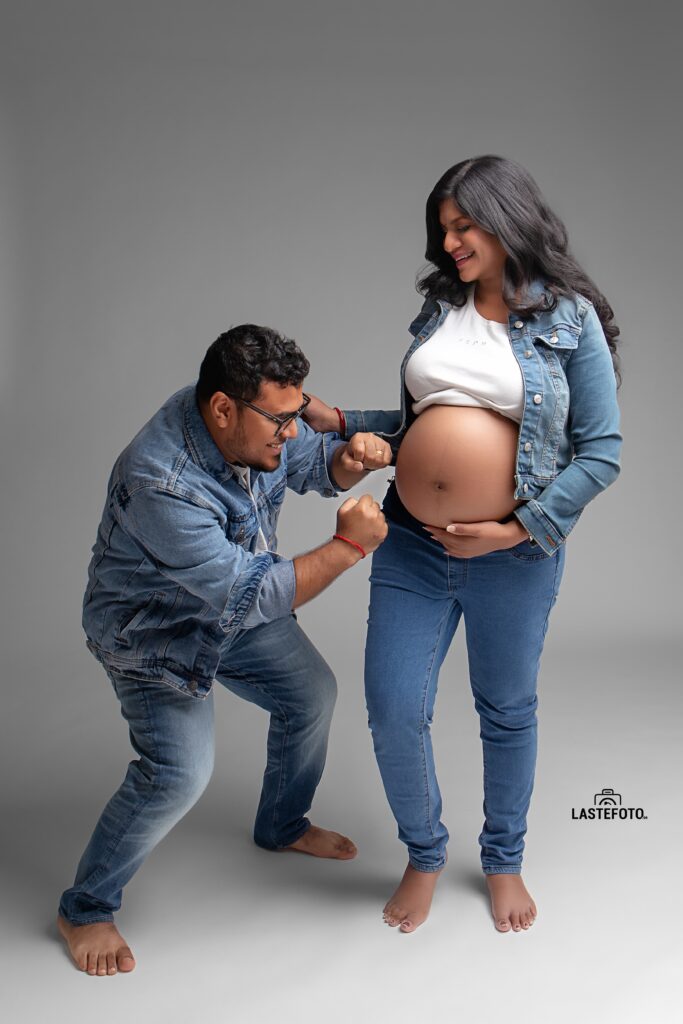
(239, 527)
(144, 618)
(555, 347)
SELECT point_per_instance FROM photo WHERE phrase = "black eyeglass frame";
(282, 421)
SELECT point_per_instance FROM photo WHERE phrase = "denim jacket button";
(527, 353)
(525, 488)
(537, 399)
(527, 446)
(519, 324)
(192, 685)
(553, 339)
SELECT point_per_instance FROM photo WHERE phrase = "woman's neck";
(488, 299)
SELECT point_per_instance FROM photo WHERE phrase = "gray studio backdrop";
(170, 169)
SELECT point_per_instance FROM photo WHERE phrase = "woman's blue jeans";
(418, 596)
(273, 665)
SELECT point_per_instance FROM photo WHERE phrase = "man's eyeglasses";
(282, 421)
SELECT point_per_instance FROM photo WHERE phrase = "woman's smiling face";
(478, 255)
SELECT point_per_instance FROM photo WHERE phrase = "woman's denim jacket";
(569, 440)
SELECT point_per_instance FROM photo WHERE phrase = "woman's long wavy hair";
(503, 198)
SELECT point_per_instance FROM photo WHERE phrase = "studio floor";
(225, 931)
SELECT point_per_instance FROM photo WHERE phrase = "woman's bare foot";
(409, 907)
(99, 948)
(511, 904)
(319, 842)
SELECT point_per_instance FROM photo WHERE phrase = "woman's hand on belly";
(467, 540)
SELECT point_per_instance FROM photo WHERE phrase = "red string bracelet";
(338, 536)
(342, 421)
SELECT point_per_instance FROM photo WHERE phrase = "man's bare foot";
(319, 842)
(409, 907)
(97, 948)
(511, 903)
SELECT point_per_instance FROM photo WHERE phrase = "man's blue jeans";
(418, 595)
(273, 665)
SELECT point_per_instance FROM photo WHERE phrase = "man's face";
(246, 437)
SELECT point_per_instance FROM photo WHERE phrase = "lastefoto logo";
(607, 806)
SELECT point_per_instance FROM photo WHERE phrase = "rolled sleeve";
(185, 541)
(374, 421)
(265, 594)
(309, 461)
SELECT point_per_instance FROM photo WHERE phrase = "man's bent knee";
(321, 694)
(182, 785)
(325, 684)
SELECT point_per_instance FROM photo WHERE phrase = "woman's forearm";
(374, 421)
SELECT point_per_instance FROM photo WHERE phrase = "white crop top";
(467, 361)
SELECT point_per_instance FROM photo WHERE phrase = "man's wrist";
(340, 424)
(352, 551)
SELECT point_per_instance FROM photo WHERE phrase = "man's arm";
(317, 569)
(363, 525)
(186, 542)
(363, 454)
(323, 462)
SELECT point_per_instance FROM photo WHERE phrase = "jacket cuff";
(539, 527)
(265, 592)
(331, 442)
(355, 424)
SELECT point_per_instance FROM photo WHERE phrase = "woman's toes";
(111, 963)
(503, 926)
(514, 917)
(102, 964)
(92, 963)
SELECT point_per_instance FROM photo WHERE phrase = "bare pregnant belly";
(457, 464)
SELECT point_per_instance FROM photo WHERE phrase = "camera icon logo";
(607, 798)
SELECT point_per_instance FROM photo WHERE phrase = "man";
(185, 588)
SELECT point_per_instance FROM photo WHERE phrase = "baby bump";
(457, 464)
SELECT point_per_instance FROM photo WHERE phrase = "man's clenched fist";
(365, 451)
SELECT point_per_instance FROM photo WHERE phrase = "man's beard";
(251, 462)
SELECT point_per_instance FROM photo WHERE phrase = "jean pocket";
(528, 552)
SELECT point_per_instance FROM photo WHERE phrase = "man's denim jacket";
(569, 440)
(174, 574)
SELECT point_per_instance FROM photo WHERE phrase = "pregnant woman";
(508, 426)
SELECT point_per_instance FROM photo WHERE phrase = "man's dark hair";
(242, 358)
